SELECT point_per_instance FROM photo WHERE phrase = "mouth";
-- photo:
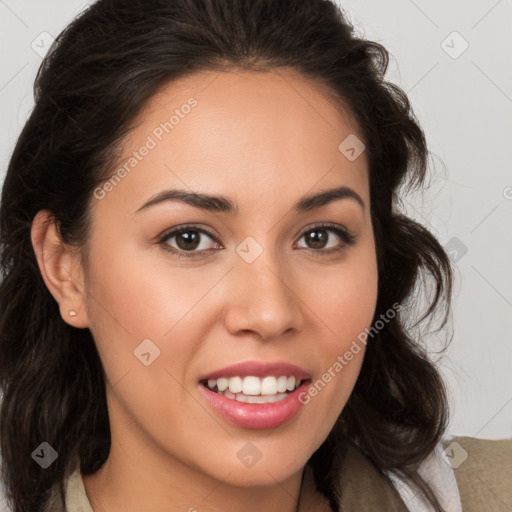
(255, 390)
(256, 395)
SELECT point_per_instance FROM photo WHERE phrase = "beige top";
(76, 497)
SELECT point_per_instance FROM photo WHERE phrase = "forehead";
(245, 133)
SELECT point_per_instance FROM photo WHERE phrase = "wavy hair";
(96, 79)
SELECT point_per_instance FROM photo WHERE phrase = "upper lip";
(259, 369)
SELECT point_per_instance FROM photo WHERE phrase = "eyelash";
(346, 236)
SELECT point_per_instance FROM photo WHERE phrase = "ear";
(61, 269)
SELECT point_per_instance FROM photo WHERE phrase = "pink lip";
(256, 416)
(259, 369)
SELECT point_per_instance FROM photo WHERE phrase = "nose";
(262, 299)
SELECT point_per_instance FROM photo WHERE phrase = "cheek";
(344, 297)
(125, 308)
(141, 297)
(138, 298)
(136, 323)
(348, 314)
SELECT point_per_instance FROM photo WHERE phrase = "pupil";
(190, 239)
(317, 238)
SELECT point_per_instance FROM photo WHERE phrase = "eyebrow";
(222, 204)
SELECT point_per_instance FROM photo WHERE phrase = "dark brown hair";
(96, 79)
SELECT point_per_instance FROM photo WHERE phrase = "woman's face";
(246, 284)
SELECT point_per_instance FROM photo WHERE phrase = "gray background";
(463, 100)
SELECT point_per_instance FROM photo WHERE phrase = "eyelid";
(350, 237)
(179, 229)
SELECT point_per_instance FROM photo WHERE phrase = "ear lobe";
(61, 269)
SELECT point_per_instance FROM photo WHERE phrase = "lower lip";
(257, 416)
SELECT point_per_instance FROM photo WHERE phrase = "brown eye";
(318, 237)
(188, 241)
(191, 241)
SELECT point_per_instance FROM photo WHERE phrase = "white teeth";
(290, 385)
(281, 384)
(228, 394)
(222, 383)
(260, 399)
(235, 384)
(251, 387)
(269, 386)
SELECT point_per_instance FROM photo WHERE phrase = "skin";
(264, 140)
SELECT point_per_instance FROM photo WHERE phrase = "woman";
(207, 284)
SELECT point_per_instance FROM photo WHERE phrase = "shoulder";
(365, 487)
(483, 469)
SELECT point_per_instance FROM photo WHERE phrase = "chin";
(258, 473)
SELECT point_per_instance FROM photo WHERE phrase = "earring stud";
(72, 312)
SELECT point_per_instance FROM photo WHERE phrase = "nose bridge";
(263, 299)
